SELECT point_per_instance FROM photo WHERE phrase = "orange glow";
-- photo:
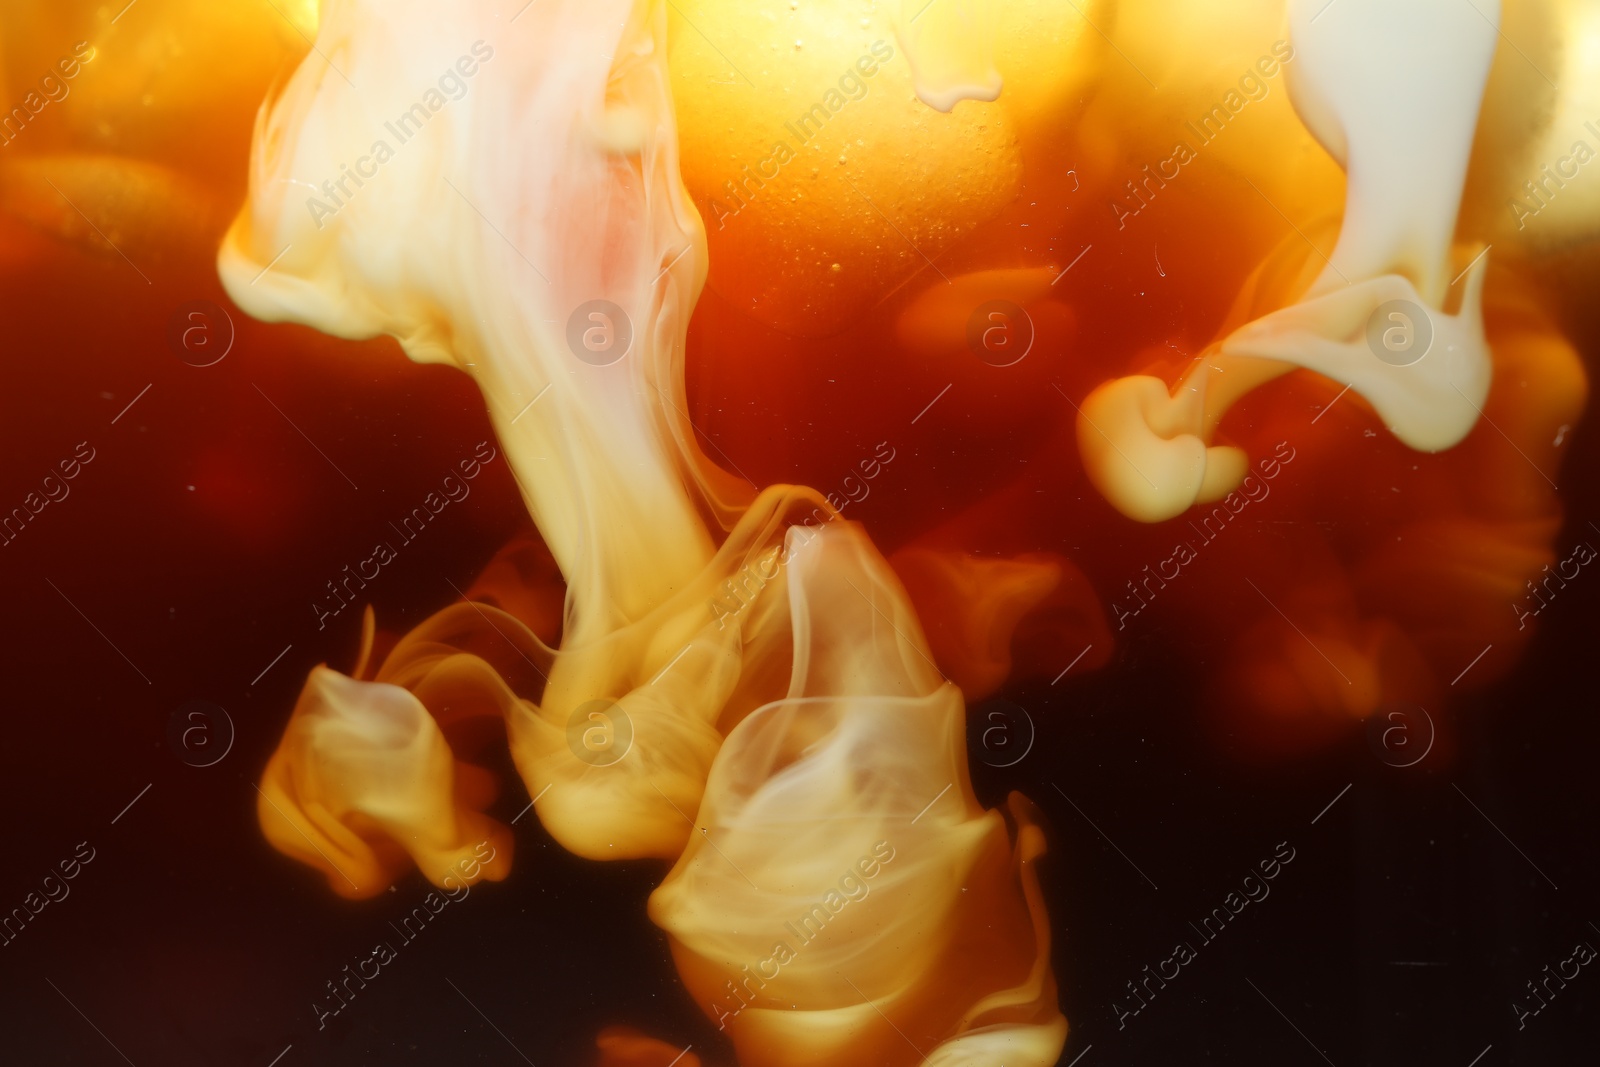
(717, 297)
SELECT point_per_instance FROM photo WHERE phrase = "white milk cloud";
(1392, 92)
(552, 185)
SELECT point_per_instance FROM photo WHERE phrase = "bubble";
(1401, 735)
(1400, 332)
(1001, 732)
(599, 732)
(200, 333)
(200, 733)
(599, 332)
(1000, 333)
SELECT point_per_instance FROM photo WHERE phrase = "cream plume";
(548, 186)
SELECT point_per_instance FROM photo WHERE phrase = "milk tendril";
(765, 750)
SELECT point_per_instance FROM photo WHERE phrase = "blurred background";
(180, 562)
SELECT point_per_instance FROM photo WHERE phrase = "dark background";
(185, 560)
(1401, 932)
